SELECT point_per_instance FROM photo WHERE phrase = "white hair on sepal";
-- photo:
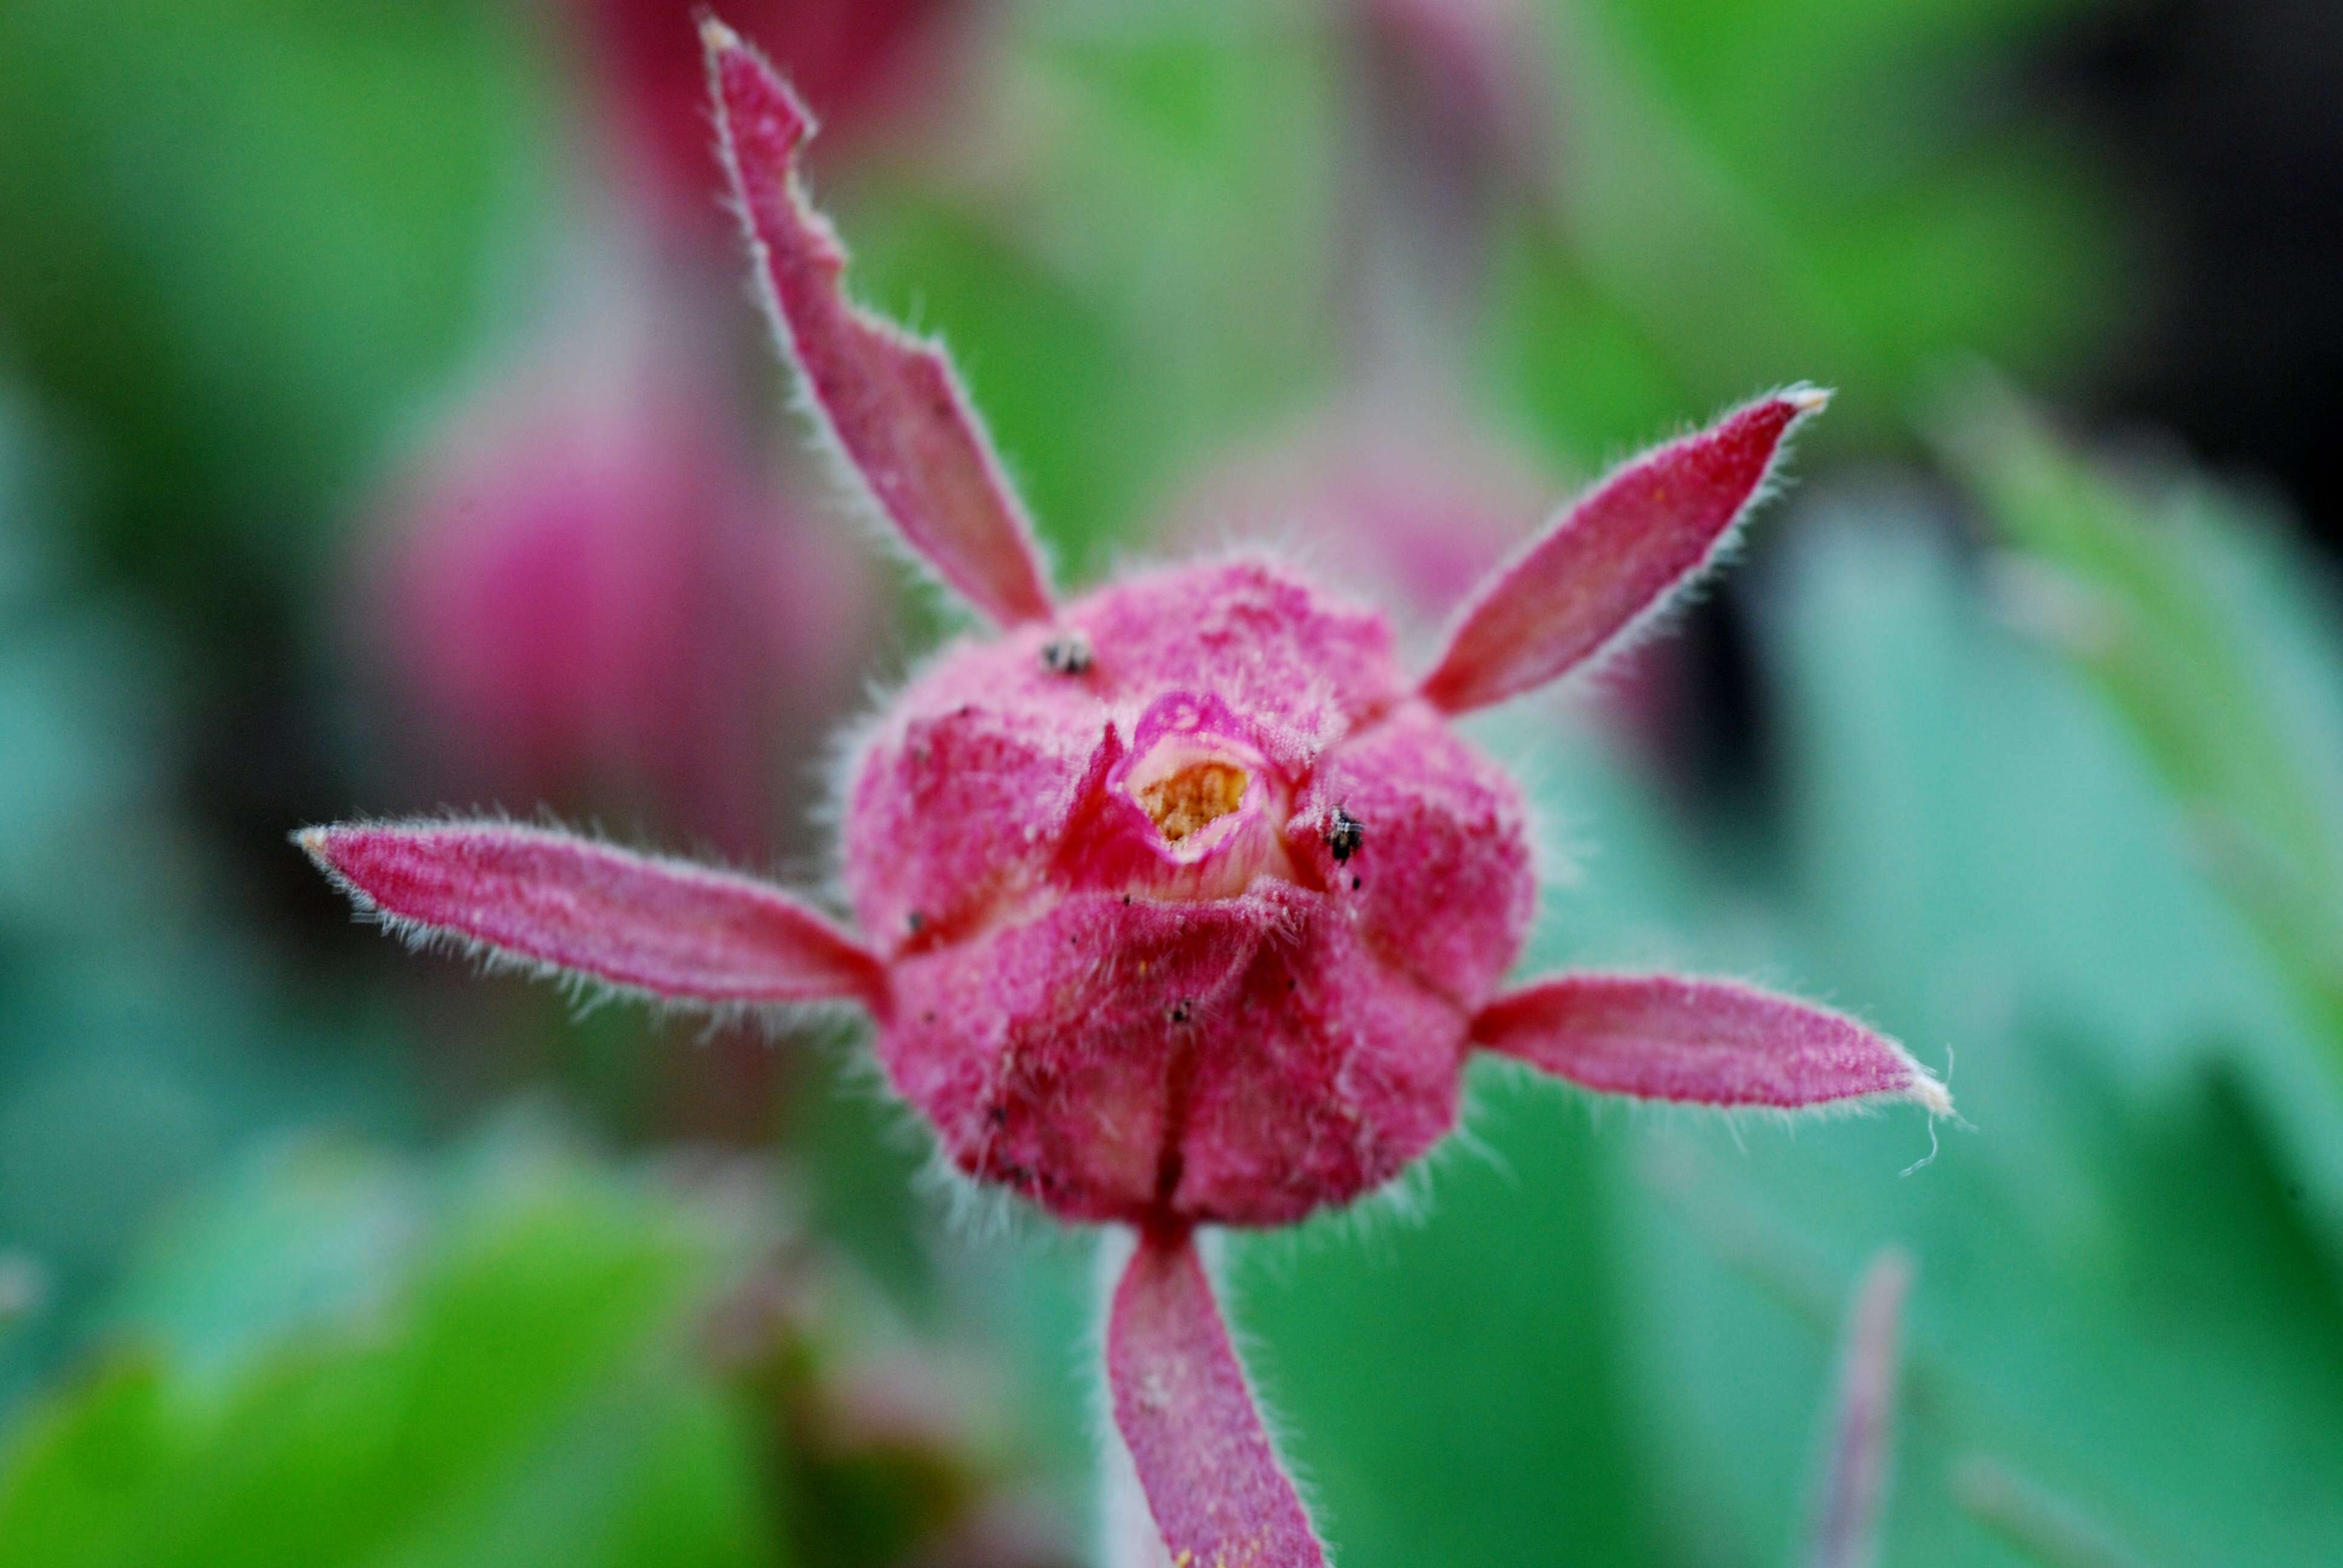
(1127, 1534)
(1294, 559)
(1680, 1116)
(1560, 847)
(585, 993)
(1599, 663)
(1664, 611)
(981, 1212)
(1469, 1146)
(1255, 1364)
(1368, 1223)
(776, 1022)
(849, 486)
(1925, 1089)
(1114, 1247)
(704, 859)
(1372, 1221)
(971, 1211)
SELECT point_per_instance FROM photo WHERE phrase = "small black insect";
(1068, 653)
(914, 922)
(1180, 1011)
(1345, 836)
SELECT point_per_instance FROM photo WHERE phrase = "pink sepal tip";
(1701, 1043)
(1614, 559)
(1212, 1478)
(674, 929)
(891, 401)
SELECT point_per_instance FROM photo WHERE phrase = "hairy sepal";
(1615, 559)
(1212, 1477)
(890, 401)
(666, 928)
(1702, 1043)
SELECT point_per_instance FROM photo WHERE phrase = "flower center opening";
(1200, 793)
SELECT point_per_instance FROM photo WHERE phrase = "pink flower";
(1178, 904)
(584, 590)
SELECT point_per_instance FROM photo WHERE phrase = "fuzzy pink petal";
(674, 929)
(1614, 559)
(1181, 1402)
(892, 401)
(1846, 1534)
(1700, 1042)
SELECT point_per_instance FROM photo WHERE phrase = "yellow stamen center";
(1201, 792)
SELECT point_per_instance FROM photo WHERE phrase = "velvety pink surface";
(1236, 1027)
(891, 401)
(1204, 1461)
(1442, 883)
(1701, 1043)
(965, 788)
(665, 926)
(1301, 665)
(1239, 1060)
(1616, 554)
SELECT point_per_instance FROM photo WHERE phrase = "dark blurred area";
(2223, 121)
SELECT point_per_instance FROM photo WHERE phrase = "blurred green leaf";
(2206, 635)
(1824, 190)
(142, 1026)
(2130, 1282)
(2161, 1349)
(523, 1391)
(299, 1236)
(1470, 1354)
(235, 238)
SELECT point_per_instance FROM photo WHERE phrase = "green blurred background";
(384, 426)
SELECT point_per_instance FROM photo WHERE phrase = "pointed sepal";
(668, 928)
(890, 400)
(1613, 560)
(1187, 1416)
(1701, 1043)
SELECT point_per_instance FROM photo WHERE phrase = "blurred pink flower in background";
(1399, 507)
(582, 591)
(1457, 83)
(857, 62)
(1455, 127)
